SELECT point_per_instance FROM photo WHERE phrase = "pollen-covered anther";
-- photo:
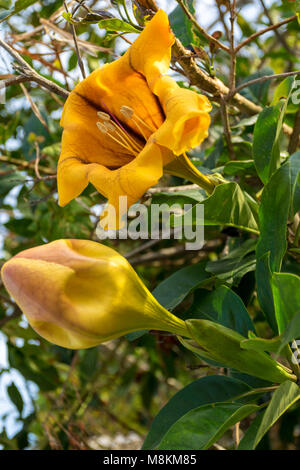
(130, 114)
(102, 127)
(109, 127)
(103, 116)
(127, 111)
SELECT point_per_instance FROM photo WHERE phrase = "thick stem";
(181, 166)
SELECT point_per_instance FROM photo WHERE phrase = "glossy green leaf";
(172, 291)
(262, 344)
(222, 305)
(223, 345)
(265, 142)
(286, 293)
(201, 427)
(236, 264)
(264, 290)
(273, 216)
(228, 205)
(115, 24)
(247, 442)
(283, 398)
(181, 25)
(210, 389)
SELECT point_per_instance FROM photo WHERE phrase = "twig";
(262, 79)
(37, 160)
(263, 31)
(237, 433)
(202, 30)
(293, 143)
(80, 62)
(280, 38)
(29, 165)
(232, 49)
(31, 74)
(223, 20)
(34, 108)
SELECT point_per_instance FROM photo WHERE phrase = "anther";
(103, 116)
(127, 111)
(102, 127)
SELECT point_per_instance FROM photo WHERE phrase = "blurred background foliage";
(107, 397)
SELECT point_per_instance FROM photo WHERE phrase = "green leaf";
(239, 167)
(262, 344)
(273, 216)
(200, 428)
(295, 183)
(211, 389)
(286, 293)
(236, 264)
(223, 345)
(173, 290)
(283, 90)
(264, 290)
(228, 205)
(292, 330)
(181, 25)
(283, 398)
(247, 442)
(15, 397)
(266, 152)
(222, 305)
(19, 6)
(114, 24)
(265, 142)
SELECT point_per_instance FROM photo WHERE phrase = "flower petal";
(130, 180)
(187, 119)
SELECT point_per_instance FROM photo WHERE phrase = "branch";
(280, 38)
(202, 30)
(263, 31)
(80, 63)
(213, 85)
(264, 79)
(232, 49)
(22, 163)
(31, 74)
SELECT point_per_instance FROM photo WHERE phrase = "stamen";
(103, 116)
(102, 127)
(126, 137)
(127, 112)
(106, 128)
(130, 114)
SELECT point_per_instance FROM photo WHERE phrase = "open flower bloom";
(128, 120)
(79, 293)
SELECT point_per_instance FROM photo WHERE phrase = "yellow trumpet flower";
(128, 120)
(79, 293)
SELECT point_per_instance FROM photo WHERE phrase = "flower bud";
(78, 294)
